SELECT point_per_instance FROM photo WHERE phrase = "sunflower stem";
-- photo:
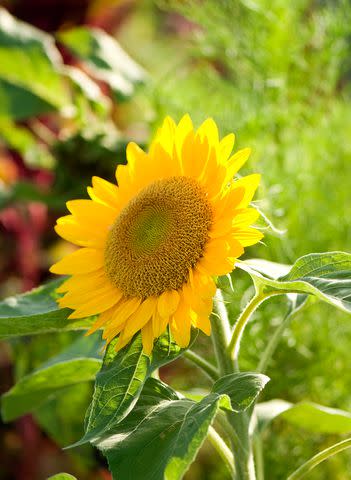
(239, 327)
(259, 459)
(240, 439)
(222, 449)
(200, 362)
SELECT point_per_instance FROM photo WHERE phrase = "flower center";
(158, 236)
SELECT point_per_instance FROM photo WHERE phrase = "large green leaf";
(17, 103)
(324, 275)
(120, 381)
(307, 415)
(104, 59)
(242, 388)
(30, 64)
(78, 363)
(61, 416)
(161, 436)
(36, 312)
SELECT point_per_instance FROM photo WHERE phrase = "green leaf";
(161, 436)
(120, 381)
(30, 80)
(77, 364)
(62, 476)
(36, 312)
(241, 388)
(17, 103)
(62, 415)
(307, 415)
(325, 275)
(104, 59)
(22, 140)
(117, 387)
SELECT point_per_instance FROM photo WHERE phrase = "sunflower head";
(152, 244)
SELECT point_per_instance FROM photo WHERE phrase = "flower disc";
(159, 235)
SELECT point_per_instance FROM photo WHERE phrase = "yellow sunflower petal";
(123, 311)
(167, 303)
(142, 315)
(209, 129)
(97, 305)
(90, 211)
(194, 155)
(104, 318)
(204, 285)
(147, 337)
(200, 304)
(122, 342)
(135, 155)
(237, 161)
(74, 300)
(159, 323)
(123, 176)
(223, 207)
(104, 192)
(250, 183)
(84, 236)
(211, 266)
(181, 325)
(226, 146)
(84, 260)
(203, 323)
(248, 236)
(84, 282)
(245, 217)
(165, 136)
(184, 127)
(222, 227)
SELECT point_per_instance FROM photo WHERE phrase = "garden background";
(276, 73)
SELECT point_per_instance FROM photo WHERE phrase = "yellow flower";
(152, 245)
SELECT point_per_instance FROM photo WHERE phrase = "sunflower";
(153, 244)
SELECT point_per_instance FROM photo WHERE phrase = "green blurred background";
(278, 74)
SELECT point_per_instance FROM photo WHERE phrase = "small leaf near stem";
(203, 364)
(320, 457)
(222, 449)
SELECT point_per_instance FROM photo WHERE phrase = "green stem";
(225, 424)
(222, 449)
(221, 334)
(243, 459)
(320, 457)
(200, 362)
(259, 460)
(234, 344)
